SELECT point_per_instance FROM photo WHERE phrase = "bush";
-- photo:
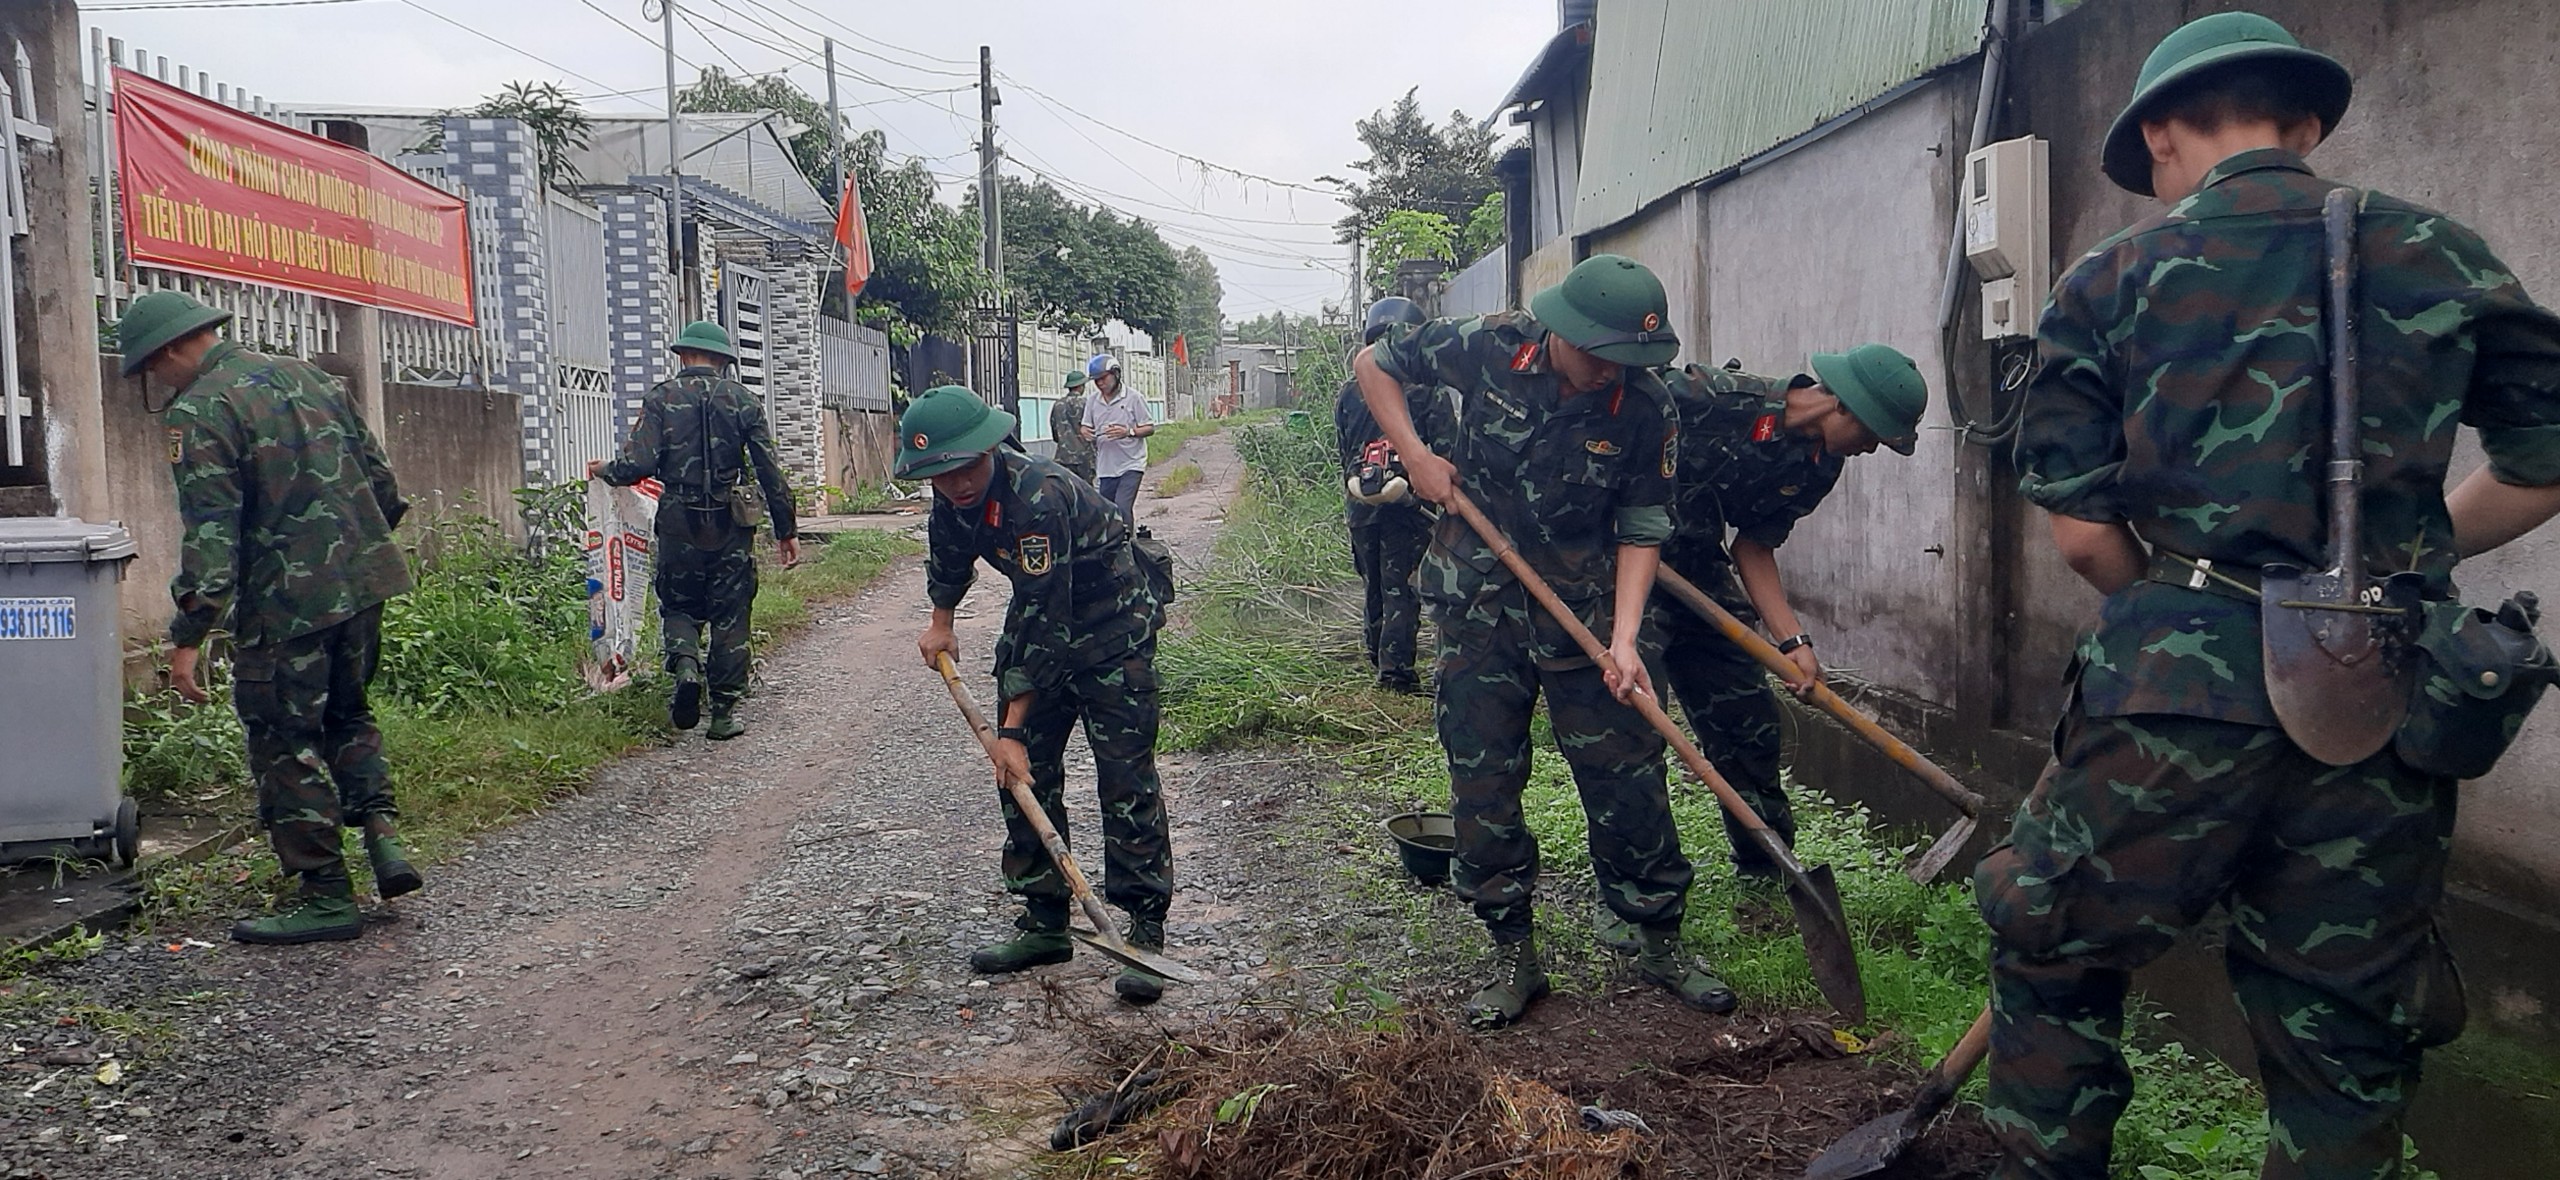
(489, 627)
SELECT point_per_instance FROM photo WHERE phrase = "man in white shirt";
(1119, 425)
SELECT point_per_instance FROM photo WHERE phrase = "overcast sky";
(1267, 88)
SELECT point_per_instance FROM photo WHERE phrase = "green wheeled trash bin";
(62, 692)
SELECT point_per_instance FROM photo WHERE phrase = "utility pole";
(990, 210)
(675, 166)
(835, 126)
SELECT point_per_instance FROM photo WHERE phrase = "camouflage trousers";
(715, 589)
(1385, 551)
(2331, 876)
(1733, 712)
(1493, 663)
(1117, 703)
(313, 747)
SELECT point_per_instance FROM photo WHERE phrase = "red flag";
(1181, 355)
(856, 240)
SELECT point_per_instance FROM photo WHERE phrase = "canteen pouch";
(1155, 560)
(2479, 675)
(746, 505)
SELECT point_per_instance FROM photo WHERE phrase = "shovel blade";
(1824, 927)
(2332, 682)
(1868, 1150)
(1943, 853)
(1130, 956)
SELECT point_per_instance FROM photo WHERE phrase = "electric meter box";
(2008, 233)
(62, 691)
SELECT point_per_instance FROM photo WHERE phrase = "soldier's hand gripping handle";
(938, 643)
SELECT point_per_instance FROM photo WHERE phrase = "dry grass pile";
(1405, 1098)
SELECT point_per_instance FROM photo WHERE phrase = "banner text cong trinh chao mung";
(213, 191)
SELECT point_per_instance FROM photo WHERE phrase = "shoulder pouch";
(2479, 675)
(746, 505)
(1155, 560)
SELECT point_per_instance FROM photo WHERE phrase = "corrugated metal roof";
(1684, 89)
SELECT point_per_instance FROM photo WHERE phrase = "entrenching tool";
(1104, 936)
(2332, 675)
(1940, 854)
(1813, 893)
(1875, 1146)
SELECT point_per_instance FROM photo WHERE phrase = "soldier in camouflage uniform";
(1756, 455)
(287, 506)
(2175, 429)
(703, 437)
(1079, 642)
(1387, 536)
(1566, 441)
(1071, 438)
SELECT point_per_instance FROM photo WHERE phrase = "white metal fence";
(581, 333)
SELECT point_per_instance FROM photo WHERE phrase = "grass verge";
(1269, 656)
(1179, 478)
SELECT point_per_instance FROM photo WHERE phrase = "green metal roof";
(1684, 89)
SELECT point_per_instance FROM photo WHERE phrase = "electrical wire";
(969, 69)
(526, 53)
(652, 42)
(1211, 165)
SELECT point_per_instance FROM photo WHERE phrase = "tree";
(1404, 236)
(558, 124)
(1414, 165)
(1076, 268)
(1277, 327)
(926, 274)
(1486, 228)
(1198, 294)
(717, 91)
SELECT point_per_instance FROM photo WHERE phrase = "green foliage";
(1167, 441)
(1197, 298)
(559, 126)
(174, 750)
(1324, 366)
(1277, 327)
(1407, 235)
(1076, 267)
(489, 628)
(715, 90)
(1182, 477)
(1486, 229)
(1447, 170)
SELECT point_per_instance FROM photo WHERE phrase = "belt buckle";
(2201, 578)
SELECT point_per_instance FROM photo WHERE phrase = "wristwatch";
(1789, 644)
(1013, 733)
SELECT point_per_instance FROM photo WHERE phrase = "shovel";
(1940, 854)
(1813, 894)
(1875, 1146)
(1104, 936)
(2326, 634)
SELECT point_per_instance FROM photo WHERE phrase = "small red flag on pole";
(1181, 354)
(854, 237)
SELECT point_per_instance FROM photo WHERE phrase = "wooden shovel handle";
(1830, 702)
(1952, 1070)
(1690, 755)
(1024, 802)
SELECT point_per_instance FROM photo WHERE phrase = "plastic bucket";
(1425, 840)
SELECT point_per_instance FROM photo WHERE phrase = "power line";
(968, 70)
(1126, 199)
(652, 42)
(526, 53)
(1175, 152)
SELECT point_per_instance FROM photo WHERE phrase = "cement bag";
(620, 534)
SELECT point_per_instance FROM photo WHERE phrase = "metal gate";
(581, 338)
(995, 356)
(742, 302)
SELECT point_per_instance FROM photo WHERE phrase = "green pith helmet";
(158, 320)
(1879, 387)
(1613, 308)
(2218, 40)
(945, 429)
(705, 336)
(1075, 380)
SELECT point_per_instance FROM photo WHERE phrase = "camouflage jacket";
(1066, 422)
(1567, 479)
(1740, 468)
(1354, 428)
(699, 434)
(1079, 598)
(2181, 388)
(285, 501)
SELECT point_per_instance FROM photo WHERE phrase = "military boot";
(685, 710)
(1518, 981)
(1134, 985)
(392, 873)
(1661, 962)
(321, 913)
(1043, 940)
(724, 723)
(1616, 933)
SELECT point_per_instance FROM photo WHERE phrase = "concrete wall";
(452, 449)
(56, 316)
(862, 447)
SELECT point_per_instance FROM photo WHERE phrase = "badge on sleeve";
(1601, 446)
(1035, 554)
(1765, 429)
(177, 446)
(1669, 467)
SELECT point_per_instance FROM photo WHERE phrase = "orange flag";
(856, 240)
(1181, 355)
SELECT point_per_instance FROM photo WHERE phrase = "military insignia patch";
(920, 441)
(1652, 321)
(1765, 429)
(1668, 468)
(1524, 358)
(1035, 554)
(1601, 446)
(177, 445)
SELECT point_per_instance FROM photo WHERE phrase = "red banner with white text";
(212, 191)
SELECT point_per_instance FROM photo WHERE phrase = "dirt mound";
(1410, 1096)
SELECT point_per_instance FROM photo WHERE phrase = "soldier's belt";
(2199, 573)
